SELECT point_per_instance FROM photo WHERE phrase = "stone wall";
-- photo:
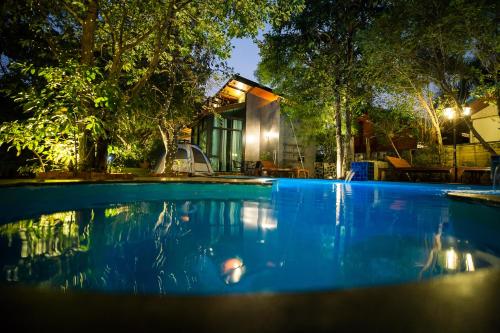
(470, 154)
(325, 170)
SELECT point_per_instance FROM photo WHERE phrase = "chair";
(298, 172)
(272, 170)
(401, 165)
(236, 165)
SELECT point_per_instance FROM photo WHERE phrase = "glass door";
(226, 145)
(236, 147)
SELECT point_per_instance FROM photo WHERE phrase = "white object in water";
(189, 159)
(349, 176)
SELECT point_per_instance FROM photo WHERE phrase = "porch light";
(449, 113)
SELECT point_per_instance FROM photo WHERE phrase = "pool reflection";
(322, 236)
(151, 247)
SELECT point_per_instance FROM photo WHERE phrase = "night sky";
(244, 59)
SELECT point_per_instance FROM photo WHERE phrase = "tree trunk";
(348, 150)
(101, 158)
(348, 153)
(169, 139)
(89, 25)
(86, 151)
(393, 145)
(338, 135)
(433, 117)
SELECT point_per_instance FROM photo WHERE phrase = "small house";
(244, 126)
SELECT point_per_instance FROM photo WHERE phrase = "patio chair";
(400, 165)
(300, 172)
(273, 170)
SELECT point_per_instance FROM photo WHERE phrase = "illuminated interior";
(242, 121)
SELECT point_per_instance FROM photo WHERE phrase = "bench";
(402, 166)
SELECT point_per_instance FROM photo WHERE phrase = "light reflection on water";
(304, 236)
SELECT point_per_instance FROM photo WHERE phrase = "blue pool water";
(297, 235)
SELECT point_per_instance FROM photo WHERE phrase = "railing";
(495, 177)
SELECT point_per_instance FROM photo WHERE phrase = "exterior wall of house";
(261, 127)
(487, 123)
(289, 153)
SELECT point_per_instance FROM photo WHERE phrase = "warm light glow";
(270, 224)
(469, 263)
(239, 85)
(251, 139)
(232, 270)
(449, 113)
(271, 135)
(451, 259)
(466, 111)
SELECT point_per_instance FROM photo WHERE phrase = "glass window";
(236, 150)
(181, 154)
(202, 140)
(215, 142)
(198, 156)
(237, 124)
(220, 122)
(223, 152)
(214, 161)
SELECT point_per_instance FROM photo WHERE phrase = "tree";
(313, 60)
(50, 133)
(128, 45)
(395, 121)
(430, 48)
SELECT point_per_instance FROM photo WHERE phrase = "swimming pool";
(296, 235)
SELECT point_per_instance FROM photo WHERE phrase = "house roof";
(237, 86)
(478, 104)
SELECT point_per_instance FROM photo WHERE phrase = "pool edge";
(466, 302)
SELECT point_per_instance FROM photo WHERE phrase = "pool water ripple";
(216, 239)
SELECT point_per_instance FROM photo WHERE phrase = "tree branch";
(140, 39)
(164, 29)
(72, 12)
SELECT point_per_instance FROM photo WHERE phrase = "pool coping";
(488, 199)
(465, 302)
(142, 180)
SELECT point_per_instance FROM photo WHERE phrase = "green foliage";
(313, 60)
(110, 72)
(55, 114)
(442, 49)
(396, 119)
